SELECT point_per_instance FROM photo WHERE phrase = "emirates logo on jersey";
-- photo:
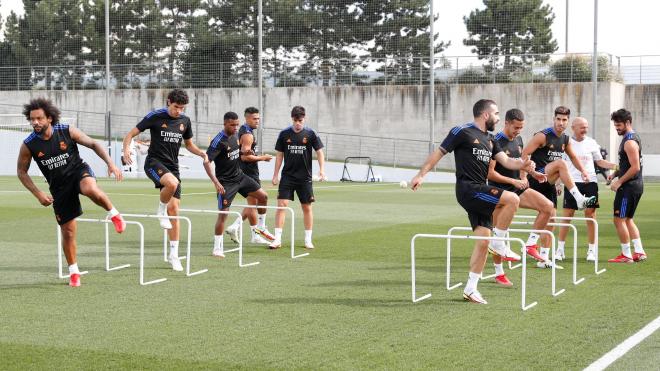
(507, 152)
(181, 127)
(164, 125)
(304, 140)
(63, 146)
(40, 154)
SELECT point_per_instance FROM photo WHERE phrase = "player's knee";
(510, 198)
(589, 213)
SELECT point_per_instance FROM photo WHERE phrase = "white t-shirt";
(587, 151)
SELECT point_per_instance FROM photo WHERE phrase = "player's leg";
(89, 188)
(477, 263)
(507, 204)
(621, 201)
(533, 200)
(285, 192)
(174, 232)
(559, 170)
(259, 235)
(500, 275)
(306, 197)
(639, 254)
(69, 247)
(169, 186)
(219, 230)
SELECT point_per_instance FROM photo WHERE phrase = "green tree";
(518, 30)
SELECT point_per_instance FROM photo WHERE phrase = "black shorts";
(155, 170)
(508, 187)
(302, 188)
(479, 200)
(255, 177)
(626, 201)
(546, 189)
(244, 186)
(66, 198)
(587, 189)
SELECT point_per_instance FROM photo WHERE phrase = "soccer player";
(473, 149)
(228, 179)
(628, 187)
(499, 176)
(169, 127)
(54, 147)
(588, 152)
(294, 147)
(547, 148)
(249, 166)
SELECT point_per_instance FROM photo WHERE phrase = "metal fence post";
(394, 153)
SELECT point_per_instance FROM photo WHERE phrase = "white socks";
(592, 248)
(162, 208)
(579, 197)
(174, 248)
(532, 240)
(218, 245)
(236, 223)
(499, 269)
(308, 235)
(637, 243)
(113, 212)
(73, 268)
(561, 245)
(625, 250)
(261, 220)
(473, 280)
(545, 252)
(278, 234)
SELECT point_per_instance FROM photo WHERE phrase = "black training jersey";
(57, 157)
(225, 151)
(249, 168)
(297, 148)
(553, 150)
(473, 150)
(512, 148)
(167, 135)
(624, 161)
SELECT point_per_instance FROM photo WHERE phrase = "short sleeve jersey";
(57, 157)
(552, 150)
(249, 168)
(167, 135)
(513, 149)
(587, 151)
(624, 162)
(473, 150)
(297, 149)
(225, 152)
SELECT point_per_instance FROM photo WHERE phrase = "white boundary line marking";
(623, 348)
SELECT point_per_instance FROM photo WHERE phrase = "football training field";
(345, 306)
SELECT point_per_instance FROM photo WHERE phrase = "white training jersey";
(587, 151)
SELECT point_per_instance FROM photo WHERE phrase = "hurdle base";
(299, 255)
(118, 267)
(558, 292)
(601, 271)
(449, 288)
(196, 273)
(154, 281)
(532, 305)
(579, 281)
(416, 300)
(248, 264)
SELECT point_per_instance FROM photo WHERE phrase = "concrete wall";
(388, 123)
(644, 103)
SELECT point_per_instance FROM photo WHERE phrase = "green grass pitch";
(346, 306)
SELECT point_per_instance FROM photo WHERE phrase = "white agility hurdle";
(187, 257)
(240, 233)
(293, 230)
(416, 299)
(580, 219)
(523, 254)
(576, 281)
(106, 222)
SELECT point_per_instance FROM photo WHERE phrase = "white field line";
(621, 349)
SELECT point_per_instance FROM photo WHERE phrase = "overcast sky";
(622, 30)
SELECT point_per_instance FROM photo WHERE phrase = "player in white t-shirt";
(588, 152)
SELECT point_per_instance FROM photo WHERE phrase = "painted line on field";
(623, 348)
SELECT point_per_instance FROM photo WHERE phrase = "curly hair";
(45, 104)
(178, 96)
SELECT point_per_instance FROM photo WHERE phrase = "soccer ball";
(403, 184)
(315, 178)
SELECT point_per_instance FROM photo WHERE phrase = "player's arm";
(211, 154)
(496, 177)
(22, 167)
(126, 145)
(320, 157)
(190, 146)
(430, 162)
(279, 158)
(83, 139)
(246, 150)
(601, 162)
(632, 150)
(578, 165)
(514, 163)
(537, 141)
